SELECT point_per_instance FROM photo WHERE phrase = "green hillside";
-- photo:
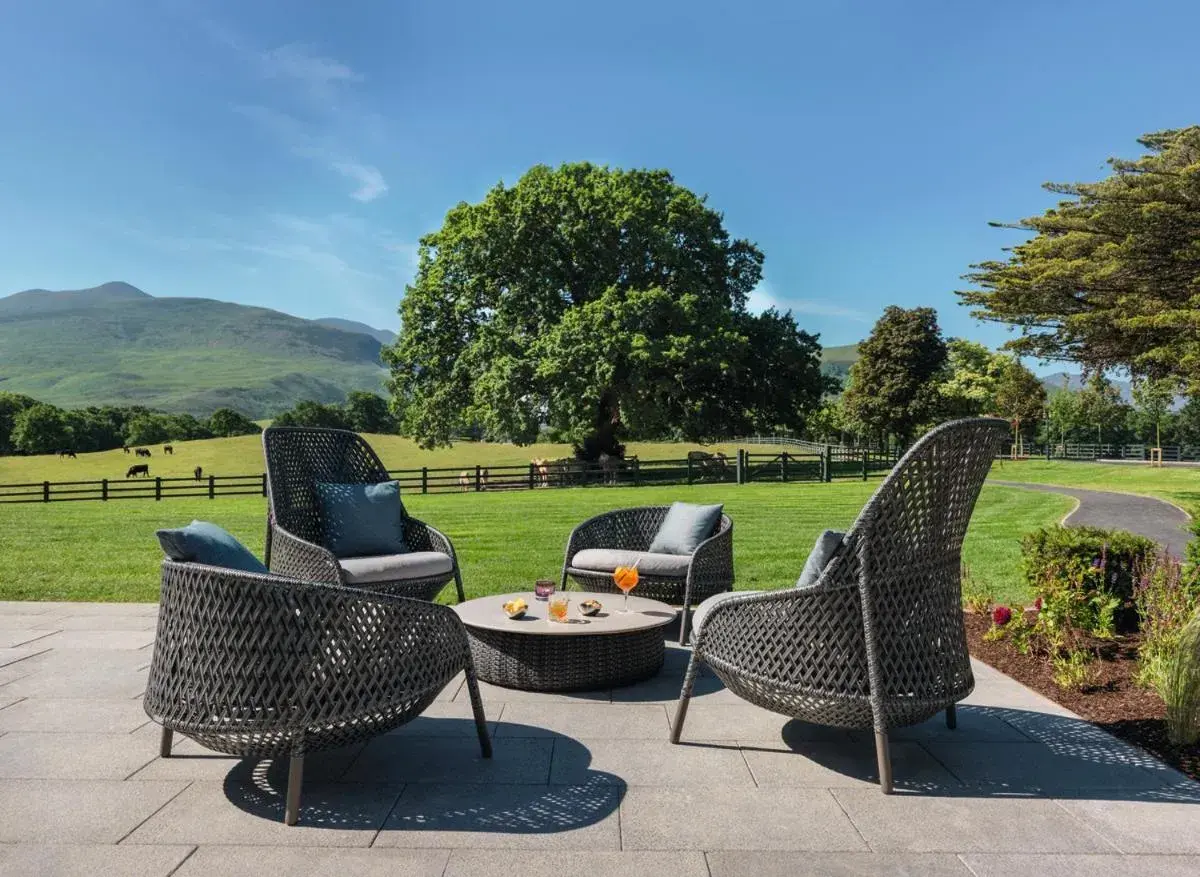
(115, 344)
(836, 361)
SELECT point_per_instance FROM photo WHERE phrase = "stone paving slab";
(580, 784)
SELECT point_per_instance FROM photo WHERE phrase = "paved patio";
(580, 785)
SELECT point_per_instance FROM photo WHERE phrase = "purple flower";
(1001, 616)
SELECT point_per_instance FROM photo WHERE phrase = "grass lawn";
(1177, 484)
(107, 551)
(243, 456)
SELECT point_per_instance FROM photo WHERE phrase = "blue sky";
(291, 154)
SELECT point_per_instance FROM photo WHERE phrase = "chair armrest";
(712, 561)
(420, 536)
(623, 529)
(261, 652)
(300, 559)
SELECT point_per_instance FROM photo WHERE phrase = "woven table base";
(566, 663)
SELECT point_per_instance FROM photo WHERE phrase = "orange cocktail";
(626, 578)
(558, 608)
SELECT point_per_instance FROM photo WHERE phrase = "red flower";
(1037, 604)
(1001, 616)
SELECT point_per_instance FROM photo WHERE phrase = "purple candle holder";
(543, 589)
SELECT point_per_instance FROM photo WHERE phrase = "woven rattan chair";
(297, 458)
(263, 666)
(708, 571)
(878, 641)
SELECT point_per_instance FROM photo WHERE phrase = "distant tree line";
(28, 426)
(362, 412)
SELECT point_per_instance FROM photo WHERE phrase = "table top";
(487, 613)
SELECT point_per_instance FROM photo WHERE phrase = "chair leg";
(164, 743)
(485, 742)
(684, 617)
(951, 717)
(458, 584)
(685, 695)
(885, 761)
(295, 779)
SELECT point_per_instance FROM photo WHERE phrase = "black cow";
(140, 469)
(198, 472)
(169, 449)
(125, 449)
(70, 454)
(143, 452)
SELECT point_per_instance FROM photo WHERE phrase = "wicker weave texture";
(566, 663)
(257, 665)
(879, 640)
(297, 458)
(709, 572)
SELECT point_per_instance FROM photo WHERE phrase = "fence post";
(637, 471)
(264, 484)
(531, 476)
(104, 490)
(157, 487)
(45, 491)
(783, 467)
(212, 486)
(424, 479)
(737, 471)
(689, 462)
(478, 481)
(828, 459)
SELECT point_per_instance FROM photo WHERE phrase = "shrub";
(1193, 547)
(1086, 574)
(977, 598)
(1073, 669)
(1181, 686)
(1166, 596)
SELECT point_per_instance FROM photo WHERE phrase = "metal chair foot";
(295, 780)
(884, 757)
(164, 744)
(951, 717)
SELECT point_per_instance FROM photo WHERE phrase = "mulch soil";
(1114, 702)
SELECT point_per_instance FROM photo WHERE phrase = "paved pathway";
(1153, 518)
(584, 785)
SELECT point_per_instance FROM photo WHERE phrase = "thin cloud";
(371, 183)
(318, 75)
(763, 297)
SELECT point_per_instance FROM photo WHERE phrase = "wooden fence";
(830, 463)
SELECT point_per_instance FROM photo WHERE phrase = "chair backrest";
(908, 543)
(298, 457)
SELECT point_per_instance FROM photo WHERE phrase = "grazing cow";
(464, 481)
(70, 454)
(125, 449)
(541, 472)
(143, 452)
(483, 479)
(139, 469)
(169, 449)
(198, 472)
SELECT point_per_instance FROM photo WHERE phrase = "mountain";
(383, 336)
(115, 344)
(1056, 381)
(836, 361)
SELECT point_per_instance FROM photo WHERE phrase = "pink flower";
(1001, 616)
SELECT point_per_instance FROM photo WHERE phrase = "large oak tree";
(587, 298)
(1111, 277)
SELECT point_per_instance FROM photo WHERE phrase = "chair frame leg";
(458, 584)
(291, 813)
(951, 717)
(164, 743)
(685, 695)
(884, 756)
(485, 740)
(684, 617)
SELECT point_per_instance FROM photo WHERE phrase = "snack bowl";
(590, 607)
(514, 609)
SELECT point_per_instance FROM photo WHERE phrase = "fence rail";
(1093, 451)
(828, 463)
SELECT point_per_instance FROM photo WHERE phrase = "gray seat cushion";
(823, 551)
(608, 559)
(395, 567)
(706, 607)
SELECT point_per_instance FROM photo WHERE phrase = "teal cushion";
(685, 527)
(823, 551)
(202, 542)
(362, 519)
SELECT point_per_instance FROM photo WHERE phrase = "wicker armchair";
(708, 571)
(878, 641)
(263, 666)
(297, 457)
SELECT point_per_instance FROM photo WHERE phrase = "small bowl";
(590, 607)
(520, 613)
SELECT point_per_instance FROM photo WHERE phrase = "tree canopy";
(894, 385)
(1111, 277)
(587, 298)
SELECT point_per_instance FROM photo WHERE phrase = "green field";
(243, 456)
(1177, 484)
(107, 551)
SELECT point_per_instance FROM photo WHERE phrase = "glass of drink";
(558, 608)
(543, 589)
(625, 578)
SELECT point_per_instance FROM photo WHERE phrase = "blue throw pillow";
(685, 527)
(826, 546)
(362, 519)
(202, 542)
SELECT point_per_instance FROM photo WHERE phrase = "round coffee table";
(534, 654)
